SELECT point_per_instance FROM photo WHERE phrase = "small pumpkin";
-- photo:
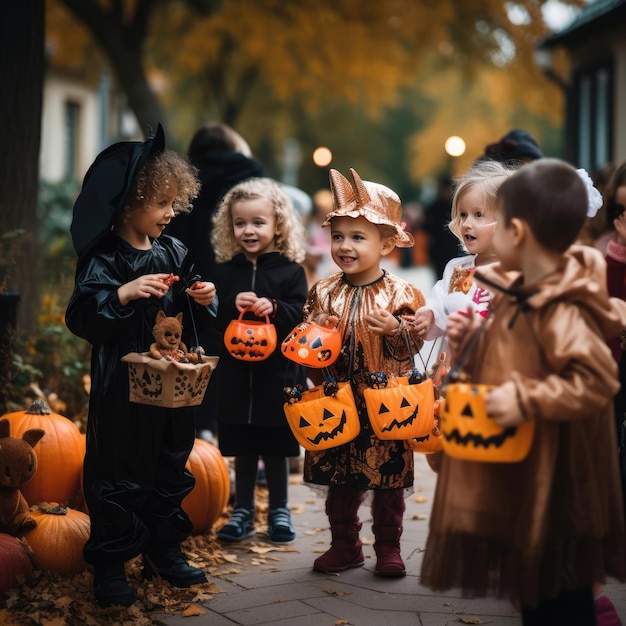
(16, 560)
(60, 454)
(250, 340)
(59, 537)
(469, 433)
(209, 497)
(312, 345)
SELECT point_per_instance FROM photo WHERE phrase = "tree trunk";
(122, 36)
(21, 77)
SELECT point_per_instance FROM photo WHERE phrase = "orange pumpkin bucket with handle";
(312, 345)
(322, 417)
(400, 407)
(250, 340)
(469, 433)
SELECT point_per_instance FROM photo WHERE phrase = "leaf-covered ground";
(53, 600)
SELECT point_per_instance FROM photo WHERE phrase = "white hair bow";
(594, 197)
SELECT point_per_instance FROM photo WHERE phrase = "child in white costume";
(473, 222)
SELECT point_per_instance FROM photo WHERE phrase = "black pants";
(570, 608)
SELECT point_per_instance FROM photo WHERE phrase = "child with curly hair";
(259, 242)
(134, 474)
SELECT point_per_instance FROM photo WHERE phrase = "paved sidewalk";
(280, 586)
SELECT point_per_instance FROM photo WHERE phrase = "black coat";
(250, 395)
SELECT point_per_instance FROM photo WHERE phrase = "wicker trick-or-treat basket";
(169, 384)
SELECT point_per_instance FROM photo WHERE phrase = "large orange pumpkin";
(60, 454)
(210, 495)
(15, 561)
(59, 537)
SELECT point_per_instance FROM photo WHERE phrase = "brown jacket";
(553, 521)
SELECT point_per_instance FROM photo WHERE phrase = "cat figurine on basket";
(168, 343)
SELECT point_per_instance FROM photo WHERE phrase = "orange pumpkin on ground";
(15, 561)
(210, 495)
(60, 454)
(59, 537)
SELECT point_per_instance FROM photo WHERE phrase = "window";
(593, 89)
(70, 140)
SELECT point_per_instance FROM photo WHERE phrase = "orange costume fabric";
(366, 462)
(554, 521)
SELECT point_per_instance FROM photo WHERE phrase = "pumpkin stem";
(51, 508)
(39, 407)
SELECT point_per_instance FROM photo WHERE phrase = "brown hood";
(582, 281)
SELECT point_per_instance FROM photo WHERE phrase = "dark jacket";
(252, 393)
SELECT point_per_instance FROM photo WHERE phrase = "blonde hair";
(290, 238)
(488, 175)
(157, 176)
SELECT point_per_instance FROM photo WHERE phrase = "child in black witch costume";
(134, 474)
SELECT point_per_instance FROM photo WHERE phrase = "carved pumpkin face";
(312, 345)
(401, 410)
(469, 433)
(250, 340)
(319, 421)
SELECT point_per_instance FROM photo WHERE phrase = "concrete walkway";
(266, 585)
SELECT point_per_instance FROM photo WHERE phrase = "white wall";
(57, 92)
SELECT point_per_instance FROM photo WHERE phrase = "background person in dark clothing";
(442, 244)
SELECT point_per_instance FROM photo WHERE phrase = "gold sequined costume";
(366, 462)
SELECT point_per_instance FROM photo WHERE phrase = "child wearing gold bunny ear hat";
(374, 312)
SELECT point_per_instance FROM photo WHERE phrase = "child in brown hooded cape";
(541, 531)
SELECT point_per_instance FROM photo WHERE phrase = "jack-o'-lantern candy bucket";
(322, 417)
(469, 433)
(400, 407)
(250, 340)
(429, 443)
(312, 345)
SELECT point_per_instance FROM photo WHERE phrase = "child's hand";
(250, 301)
(457, 327)
(245, 299)
(382, 322)
(202, 292)
(424, 321)
(143, 287)
(324, 319)
(502, 406)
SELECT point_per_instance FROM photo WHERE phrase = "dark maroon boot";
(342, 508)
(388, 512)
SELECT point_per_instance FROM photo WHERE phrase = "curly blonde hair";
(488, 175)
(290, 239)
(156, 176)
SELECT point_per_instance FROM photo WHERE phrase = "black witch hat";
(106, 186)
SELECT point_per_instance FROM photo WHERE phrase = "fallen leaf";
(193, 609)
(341, 621)
(337, 592)
(470, 620)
